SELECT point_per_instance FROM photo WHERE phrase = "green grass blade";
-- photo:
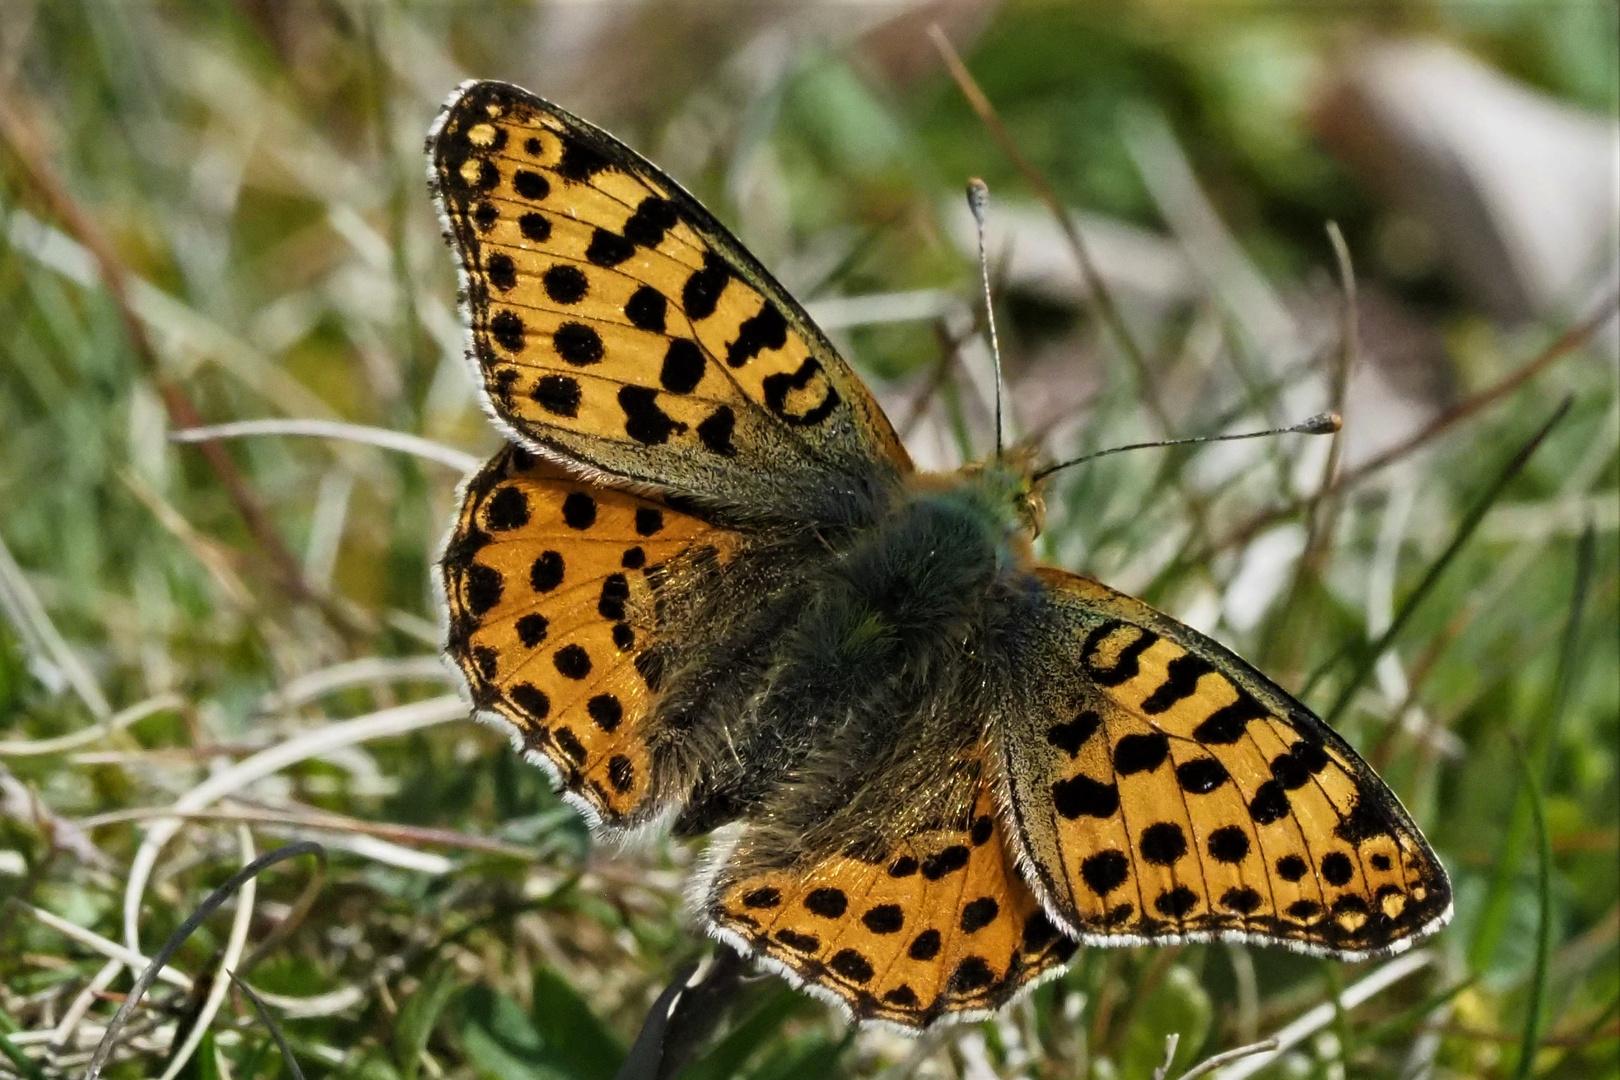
(1533, 1020)
(1493, 918)
(8, 1049)
(1369, 656)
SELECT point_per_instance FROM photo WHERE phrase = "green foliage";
(257, 169)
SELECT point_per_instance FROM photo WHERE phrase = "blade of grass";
(1226, 1057)
(160, 959)
(1319, 1017)
(1533, 1019)
(1368, 657)
(269, 1022)
(381, 724)
(1493, 919)
(1101, 295)
(24, 1064)
(399, 441)
(234, 947)
(1405, 1021)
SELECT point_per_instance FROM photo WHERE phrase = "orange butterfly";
(705, 587)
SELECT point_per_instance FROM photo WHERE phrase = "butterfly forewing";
(1163, 789)
(615, 321)
(552, 586)
(936, 925)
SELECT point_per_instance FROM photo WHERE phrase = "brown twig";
(1091, 277)
(18, 134)
(1568, 342)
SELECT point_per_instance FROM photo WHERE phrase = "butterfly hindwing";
(1165, 790)
(931, 924)
(614, 321)
(552, 587)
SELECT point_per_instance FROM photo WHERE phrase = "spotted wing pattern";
(551, 586)
(1164, 790)
(940, 927)
(614, 320)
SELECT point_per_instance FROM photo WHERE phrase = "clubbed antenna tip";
(1326, 423)
(978, 196)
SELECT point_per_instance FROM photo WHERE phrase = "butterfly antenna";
(978, 196)
(1321, 424)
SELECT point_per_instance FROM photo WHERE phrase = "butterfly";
(704, 586)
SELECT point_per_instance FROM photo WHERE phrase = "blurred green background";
(214, 211)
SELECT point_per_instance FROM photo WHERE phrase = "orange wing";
(1164, 790)
(552, 587)
(940, 928)
(615, 321)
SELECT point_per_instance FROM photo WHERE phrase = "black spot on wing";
(1105, 871)
(1227, 724)
(530, 185)
(536, 227)
(605, 711)
(851, 965)
(646, 309)
(565, 283)
(1200, 776)
(714, 431)
(884, 919)
(531, 629)
(580, 162)
(765, 330)
(1228, 844)
(977, 914)
(1181, 677)
(925, 946)
(572, 662)
(826, 902)
(621, 773)
(1138, 753)
(944, 862)
(701, 293)
(683, 366)
(509, 509)
(578, 344)
(1071, 736)
(1269, 804)
(559, 395)
(1178, 903)
(1242, 900)
(502, 272)
(654, 216)
(506, 327)
(547, 572)
(1163, 843)
(484, 587)
(1291, 867)
(644, 421)
(778, 386)
(579, 510)
(1082, 796)
(1126, 665)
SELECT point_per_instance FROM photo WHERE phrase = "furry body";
(884, 634)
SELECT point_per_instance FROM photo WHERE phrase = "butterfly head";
(1007, 483)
